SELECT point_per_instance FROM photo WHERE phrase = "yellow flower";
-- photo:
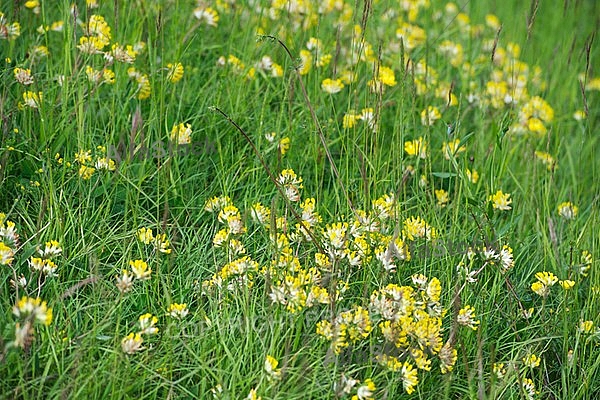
(276, 70)
(323, 261)
(386, 76)
(586, 263)
(536, 108)
(291, 184)
(323, 60)
(349, 120)
(529, 388)
(365, 391)
(417, 147)
(107, 76)
(105, 163)
(430, 115)
(140, 269)
(448, 356)
(592, 84)
(217, 204)
(253, 395)
(175, 72)
(32, 99)
(442, 197)
(547, 159)
(23, 76)
(411, 35)
(34, 308)
(144, 89)
(125, 55)
(177, 310)
(162, 244)
(531, 361)
(9, 31)
(145, 235)
(567, 210)
(454, 52)
(91, 44)
(579, 115)
(181, 133)
(207, 16)
(6, 254)
(547, 278)
(472, 175)
(98, 27)
(434, 289)
(93, 75)
(132, 343)
(147, 324)
(420, 359)
(466, 317)
(332, 86)
(499, 370)
(409, 377)
(124, 282)
(51, 249)
(306, 60)
(497, 92)
(418, 228)
(45, 266)
(271, 368)
(32, 5)
(83, 156)
(535, 125)
(567, 284)
(452, 149)
(492, 21)
(540, 289)
(544, 281)
(586, 326)
(284, 145)
(500, 200)
(86, 172)
(57, 26)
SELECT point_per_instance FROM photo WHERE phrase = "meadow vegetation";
(299, 199)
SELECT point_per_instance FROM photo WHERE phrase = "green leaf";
(444, 175)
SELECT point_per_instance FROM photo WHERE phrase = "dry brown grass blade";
(73, 289)
(495, 45)
(533, 9)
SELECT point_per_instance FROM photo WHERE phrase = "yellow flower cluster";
(44, 264)
(348, 327)
(545, 280)
(139, 269)
(97, 35)
(367, 115)
(160, 241)
(9, 240)
(132, 343)
(181, 134)
(84, 159)
(237, 66)
(567, 210)
(500, 200)
(9, 30)
(29, 311)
